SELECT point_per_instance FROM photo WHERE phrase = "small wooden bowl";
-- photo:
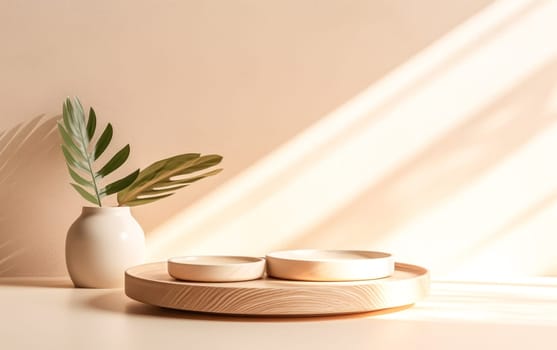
(329, 265)
(205, 268)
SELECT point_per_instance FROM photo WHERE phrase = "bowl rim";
(368, 255)
(194, 260)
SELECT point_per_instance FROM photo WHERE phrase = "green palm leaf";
(80, 153)
(161, 179)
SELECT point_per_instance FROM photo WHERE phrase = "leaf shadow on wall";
(460, 157)
(28, 183)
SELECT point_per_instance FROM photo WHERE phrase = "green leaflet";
(146, 200)
(121, 184)
(115, 162)
(88, 196)
(80, 154)
(77, 178)
(91, 123)
(159, 181)
(103, 141)
(71, 161)
(188, 180)
(68, 142)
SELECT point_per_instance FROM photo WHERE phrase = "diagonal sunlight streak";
(478, 210)
(326, 167)
(461, 156)
(540, 213)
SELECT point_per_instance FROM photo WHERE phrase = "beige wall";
(249, 80)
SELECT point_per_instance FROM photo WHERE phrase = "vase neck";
(106, 210)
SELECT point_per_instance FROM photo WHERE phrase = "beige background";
(420, 127)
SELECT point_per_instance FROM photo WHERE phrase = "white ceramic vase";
(101, 244)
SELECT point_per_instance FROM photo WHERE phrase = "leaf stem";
(82, 140)
(95, 186)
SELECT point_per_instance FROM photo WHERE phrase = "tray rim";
(400, 267)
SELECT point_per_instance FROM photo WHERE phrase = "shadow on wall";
(461, 157)
(29, 183)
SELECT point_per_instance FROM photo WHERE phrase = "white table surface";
(46, 313)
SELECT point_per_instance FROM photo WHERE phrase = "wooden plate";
(211, 268)
(329, 265)
(151, 284)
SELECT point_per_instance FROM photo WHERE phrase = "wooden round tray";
(151, 284)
